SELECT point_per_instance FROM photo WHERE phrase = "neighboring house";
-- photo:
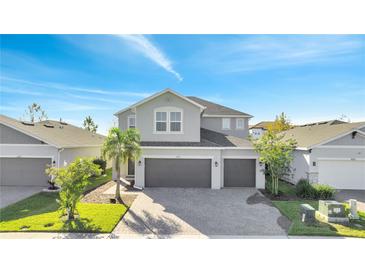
(27, 148)
(190, 142)
(256, 131)
(329, 153)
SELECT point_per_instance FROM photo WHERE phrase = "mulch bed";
(97, 195)
(281, 197)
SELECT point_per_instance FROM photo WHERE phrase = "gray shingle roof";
(216, 109)
(55, 133)
(263, 125)
(208, 138)
(309, 136)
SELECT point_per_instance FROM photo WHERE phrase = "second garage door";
(23, 171)
(178, 172)
(239, 172)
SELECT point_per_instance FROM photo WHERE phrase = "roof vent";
(27, 123)
(49, 125)
(62, 122)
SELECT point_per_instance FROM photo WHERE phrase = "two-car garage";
(178, 173)
(197, 173)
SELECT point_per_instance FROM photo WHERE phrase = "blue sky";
(310, 78)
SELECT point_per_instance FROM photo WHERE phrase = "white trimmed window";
(240, 124)
(226, 123)
(132, 121)
(175, 121)
(161, 121)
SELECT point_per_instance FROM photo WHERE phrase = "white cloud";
(252, 53)
(73, 88)
(152, 52)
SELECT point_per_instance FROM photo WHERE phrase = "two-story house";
(190, 142)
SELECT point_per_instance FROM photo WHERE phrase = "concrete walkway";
(202, 213)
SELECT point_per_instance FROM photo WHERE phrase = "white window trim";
(135, 121)
(243, 124)
(229, 127)
(168, 110)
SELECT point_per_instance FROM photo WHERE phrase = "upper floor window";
(175, 121)
(161, 121)
(168, 120)
(240, 123)
(131, 121)
(226, 123)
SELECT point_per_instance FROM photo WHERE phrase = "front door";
(130, 167)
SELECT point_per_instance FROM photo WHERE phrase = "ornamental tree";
(73, 179)
(276, 154)
(280, 124)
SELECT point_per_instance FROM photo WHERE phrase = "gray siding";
(12, 136)
(215, 124)
(347, 140)
(123, 119)
(70, 154)
(191, 119)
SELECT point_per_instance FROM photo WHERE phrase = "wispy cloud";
(269, 52)
(63, 87)
(151, 51)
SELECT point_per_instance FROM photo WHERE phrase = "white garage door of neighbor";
(342, 174)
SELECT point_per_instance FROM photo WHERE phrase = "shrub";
(323, 192)
(101, 163)
(304, 189)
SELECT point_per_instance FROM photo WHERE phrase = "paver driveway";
(174, 212)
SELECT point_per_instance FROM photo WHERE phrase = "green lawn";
(291, 210)
(40, 213)
(286, 188)
(98, 181)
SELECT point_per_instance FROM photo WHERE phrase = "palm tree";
(120, 146)
(90, 125)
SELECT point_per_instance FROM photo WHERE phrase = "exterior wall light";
(139, 162)
(216, 164)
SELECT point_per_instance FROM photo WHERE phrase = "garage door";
(23, 171)
(344, 174)
(178, 172)
(239, 172)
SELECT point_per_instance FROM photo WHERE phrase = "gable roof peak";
(145, 100)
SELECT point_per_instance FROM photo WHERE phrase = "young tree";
(276, 153)
(120, 146)
(280, 124)
(90, 125)
(35, 112)
(73, 180)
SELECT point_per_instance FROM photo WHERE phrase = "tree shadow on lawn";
(80, 225)
(37, 204)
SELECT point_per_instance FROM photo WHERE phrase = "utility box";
(307, 214)
(332, 211)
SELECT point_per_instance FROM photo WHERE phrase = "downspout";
(58, 156)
